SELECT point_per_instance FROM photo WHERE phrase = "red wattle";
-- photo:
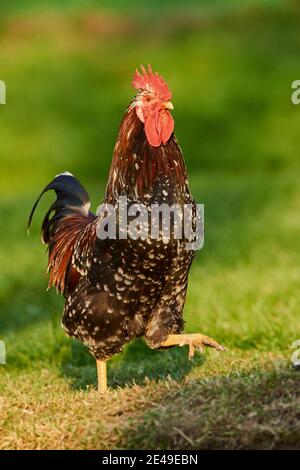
(167, 126)
(151, 130)
(159, 126)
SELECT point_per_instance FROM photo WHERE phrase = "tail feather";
(63, 223)
(71, 198)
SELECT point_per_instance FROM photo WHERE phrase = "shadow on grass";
(135, 365)
(254, 409)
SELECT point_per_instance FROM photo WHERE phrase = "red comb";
(150, 80)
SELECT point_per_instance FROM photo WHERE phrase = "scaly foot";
(194, 341)
(102, 376)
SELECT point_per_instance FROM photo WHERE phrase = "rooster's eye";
(148, 98)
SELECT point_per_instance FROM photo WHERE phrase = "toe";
(191, 349)
(200, 347)
(213, 344)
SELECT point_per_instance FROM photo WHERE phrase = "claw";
(195, 341)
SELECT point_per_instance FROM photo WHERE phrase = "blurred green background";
(68, 67)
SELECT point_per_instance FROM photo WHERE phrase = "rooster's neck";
(137, 167)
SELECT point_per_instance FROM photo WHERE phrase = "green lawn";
(68, 73)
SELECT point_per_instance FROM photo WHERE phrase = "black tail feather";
(70, 197)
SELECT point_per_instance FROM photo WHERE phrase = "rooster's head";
(152, 104)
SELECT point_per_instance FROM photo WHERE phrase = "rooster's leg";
(102, 376)
(194, 341)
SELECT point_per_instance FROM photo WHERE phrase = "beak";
(168, 105)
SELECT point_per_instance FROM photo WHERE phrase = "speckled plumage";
(116, 290)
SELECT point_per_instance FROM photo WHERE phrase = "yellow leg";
(194, 341)
(102, 376)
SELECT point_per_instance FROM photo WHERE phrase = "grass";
(256, 405)
(230, 71)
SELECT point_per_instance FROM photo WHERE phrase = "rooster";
(118, 289)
